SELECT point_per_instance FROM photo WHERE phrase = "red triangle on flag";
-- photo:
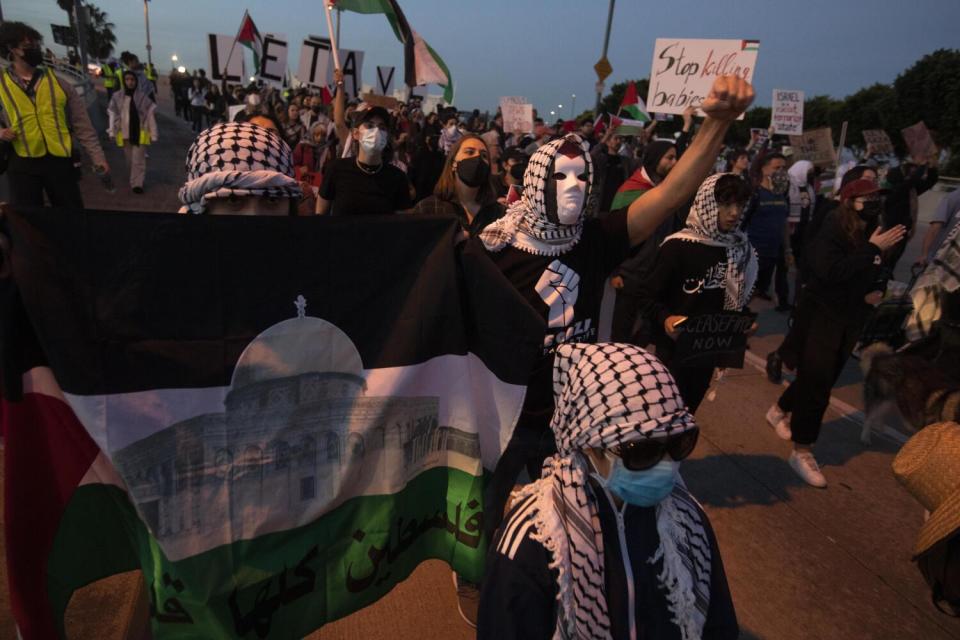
(325, 95)
(615, 121)
(248, 30)
(630, 97)
(513, 194)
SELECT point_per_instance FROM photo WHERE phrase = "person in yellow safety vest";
(42, 118)
(110, 82)
(133, 124)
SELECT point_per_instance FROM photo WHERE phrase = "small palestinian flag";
(750, 45)
(635, 112)
(277, 425)
(249, 36)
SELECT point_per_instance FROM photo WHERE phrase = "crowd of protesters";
(677, 227)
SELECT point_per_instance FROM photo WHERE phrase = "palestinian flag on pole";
(249, 36)
(275, 427)
(634, 111)
(422, 65)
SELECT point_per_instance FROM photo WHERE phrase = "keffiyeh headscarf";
(702, 227)
(240, 159)
(608, 395)
(525, 224)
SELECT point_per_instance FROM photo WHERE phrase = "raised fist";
(558, 287)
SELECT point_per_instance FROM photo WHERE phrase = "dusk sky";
(546, 50)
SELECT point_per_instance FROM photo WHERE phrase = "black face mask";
(315, 109)
(33, 56)
(473, 171)
(871, 210)
(516, 171)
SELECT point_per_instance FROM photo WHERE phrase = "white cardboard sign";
(684, 70)
(219, 47)
(517, 114)
(787, 118)
(316, 66)
(385, 80)
(273, 61)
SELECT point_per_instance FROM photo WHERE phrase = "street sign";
(64, 35)
(603, 68)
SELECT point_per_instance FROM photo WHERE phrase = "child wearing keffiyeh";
(606, 544)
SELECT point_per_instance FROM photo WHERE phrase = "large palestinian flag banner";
(276, 419)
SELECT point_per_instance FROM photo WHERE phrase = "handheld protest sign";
(714, 340)
(273, 61)
(385, 80)
(517, 114)
(684, 70)
(816, 146)
(220, 47)
(918, 140)
(879, 140)
(387, 102)
(787, 117)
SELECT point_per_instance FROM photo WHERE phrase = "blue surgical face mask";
(643, 488)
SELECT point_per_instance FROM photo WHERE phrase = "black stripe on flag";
(125, 302)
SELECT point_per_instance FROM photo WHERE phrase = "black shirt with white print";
(688, 279)
(566, 290)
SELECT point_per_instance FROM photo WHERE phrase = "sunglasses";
(640, 455)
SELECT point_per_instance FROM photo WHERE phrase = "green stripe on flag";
(625, 198)
(291, 582)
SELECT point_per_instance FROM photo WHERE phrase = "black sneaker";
(468, 599)
(138, 189)
(774, 367)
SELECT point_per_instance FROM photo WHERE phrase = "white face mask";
(452, 130)
(373, 139)
(571, 189)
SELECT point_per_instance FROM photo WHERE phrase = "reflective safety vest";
(109, 77)
(144, 137)
(40, 123)
(151, 72)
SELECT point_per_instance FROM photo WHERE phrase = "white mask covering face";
(373, 139)
(570, 177)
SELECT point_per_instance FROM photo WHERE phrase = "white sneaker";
(805, 466)
(780, 421)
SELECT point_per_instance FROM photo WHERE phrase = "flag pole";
(606, 44)
(333, 40)
(226, 66)
(146, 22)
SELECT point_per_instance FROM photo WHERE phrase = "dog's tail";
(872, 351)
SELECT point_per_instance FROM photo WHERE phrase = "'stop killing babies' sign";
(684, 70)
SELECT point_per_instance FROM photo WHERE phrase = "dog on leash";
(914, 387)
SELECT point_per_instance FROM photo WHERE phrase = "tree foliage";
(928, 91)
(101, 39)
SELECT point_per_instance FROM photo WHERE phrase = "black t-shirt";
(688, 279)
(574, 283)
(353, 191)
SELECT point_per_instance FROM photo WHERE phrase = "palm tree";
(100, 36)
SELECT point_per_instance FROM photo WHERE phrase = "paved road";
(803, 563)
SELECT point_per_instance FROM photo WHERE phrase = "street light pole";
(606, 43)
(146, 22)
(573, 106)
(78, 18)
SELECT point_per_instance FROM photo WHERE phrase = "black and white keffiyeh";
(525, 224)
(608, 395)
(702, 227)
(240, 159)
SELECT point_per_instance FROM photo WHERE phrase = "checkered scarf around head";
(702, 227)
(525, 224)
(940, 278)
(608, 395)
(239, 159)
